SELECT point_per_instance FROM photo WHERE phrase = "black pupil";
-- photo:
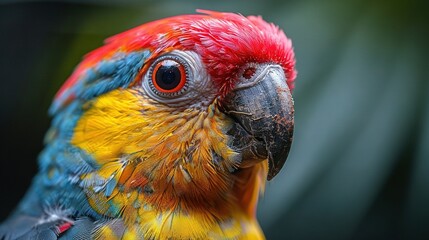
(168, 75)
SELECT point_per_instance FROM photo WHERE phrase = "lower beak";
(262, 108)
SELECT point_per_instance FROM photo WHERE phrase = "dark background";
(359, 164)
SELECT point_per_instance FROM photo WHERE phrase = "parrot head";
(187, 115)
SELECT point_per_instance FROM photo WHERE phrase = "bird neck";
(231, 216)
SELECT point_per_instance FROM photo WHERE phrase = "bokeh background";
(359, 164)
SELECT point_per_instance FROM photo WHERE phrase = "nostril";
(249, 72)
(252, 73)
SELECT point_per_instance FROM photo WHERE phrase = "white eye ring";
(169, 76)
(198, 91)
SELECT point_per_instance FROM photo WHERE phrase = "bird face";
(168, 131)
(182, 113)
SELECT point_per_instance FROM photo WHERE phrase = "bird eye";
(168, 76)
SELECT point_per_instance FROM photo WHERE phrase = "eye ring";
(169, 76)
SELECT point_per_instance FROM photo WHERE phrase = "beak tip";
(279, 150)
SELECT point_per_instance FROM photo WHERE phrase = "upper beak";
(262, 108)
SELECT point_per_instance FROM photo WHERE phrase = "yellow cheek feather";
(170, 167)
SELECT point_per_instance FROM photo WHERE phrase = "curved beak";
(263, 114)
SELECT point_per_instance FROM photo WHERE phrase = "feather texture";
(119, 164)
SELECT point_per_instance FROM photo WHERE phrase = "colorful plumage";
(168, 131)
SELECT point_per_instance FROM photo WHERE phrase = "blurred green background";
(359, 164)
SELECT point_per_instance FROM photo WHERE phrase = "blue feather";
(118, 72)
(61, 165)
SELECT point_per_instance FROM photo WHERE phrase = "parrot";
(169, 130)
